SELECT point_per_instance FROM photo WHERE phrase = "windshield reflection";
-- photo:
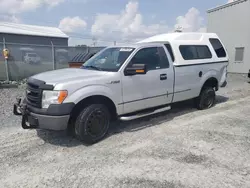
(110, 59)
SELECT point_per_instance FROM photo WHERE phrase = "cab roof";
(133, 45)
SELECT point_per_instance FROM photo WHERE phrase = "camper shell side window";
(194, 52)
(218, 48)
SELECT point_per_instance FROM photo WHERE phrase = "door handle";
(163, 77)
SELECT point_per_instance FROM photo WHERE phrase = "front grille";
(34, 95)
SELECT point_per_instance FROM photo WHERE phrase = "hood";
(68, 74)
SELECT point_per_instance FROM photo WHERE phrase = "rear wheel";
(92, 123)
(206, 99)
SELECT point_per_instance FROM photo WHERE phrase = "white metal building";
(232, 24)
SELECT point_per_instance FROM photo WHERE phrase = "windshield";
(110, 59)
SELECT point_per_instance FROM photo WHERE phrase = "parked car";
(126, 82)
(32, 58)
(62, 60)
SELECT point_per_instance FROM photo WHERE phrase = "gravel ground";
(180, 148)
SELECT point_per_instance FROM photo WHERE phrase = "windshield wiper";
(92, 67)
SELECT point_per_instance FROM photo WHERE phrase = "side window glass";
(148, 56)
(163, 58)
(218, 48)
(188, 52)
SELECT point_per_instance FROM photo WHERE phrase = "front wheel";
(206, 99)
(92, 123)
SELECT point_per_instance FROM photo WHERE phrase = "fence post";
(88, 50)
(6, 62)
(53, 55)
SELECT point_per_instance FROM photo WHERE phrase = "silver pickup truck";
(126, 82)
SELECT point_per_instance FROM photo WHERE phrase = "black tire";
(206, 99)
(92, 124)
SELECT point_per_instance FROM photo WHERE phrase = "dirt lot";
(181, 148)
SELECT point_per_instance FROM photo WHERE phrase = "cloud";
(126, 25)
(129, 26)
(202, 30)
(69, 24)
(19, 6)
(9, 9)
(10, 18)
(53, 3)
(191, 21)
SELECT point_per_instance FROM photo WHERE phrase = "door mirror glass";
(135, 69)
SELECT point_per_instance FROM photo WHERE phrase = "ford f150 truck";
(126, 82)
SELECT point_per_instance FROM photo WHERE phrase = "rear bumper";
(32, 120)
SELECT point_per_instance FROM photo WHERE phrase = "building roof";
(82, 57)
(179, 37)
(226, 5)
(33, 30)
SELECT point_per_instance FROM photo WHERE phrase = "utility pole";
(94, 41)
(6, 61)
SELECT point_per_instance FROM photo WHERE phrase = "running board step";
(136, 116)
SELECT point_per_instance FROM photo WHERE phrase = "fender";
(91, 90)
(208, 75)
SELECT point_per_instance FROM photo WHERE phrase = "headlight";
(53, 97)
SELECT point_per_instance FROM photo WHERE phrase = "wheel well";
(211, 82)
(93, 100)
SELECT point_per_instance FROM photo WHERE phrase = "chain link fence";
(26, 60)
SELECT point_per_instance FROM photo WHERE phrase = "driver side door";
(152, 89)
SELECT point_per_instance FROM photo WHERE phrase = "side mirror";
(135, 69)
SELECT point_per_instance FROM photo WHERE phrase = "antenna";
(178, 29)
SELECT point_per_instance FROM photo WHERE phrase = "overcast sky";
(109, 20)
